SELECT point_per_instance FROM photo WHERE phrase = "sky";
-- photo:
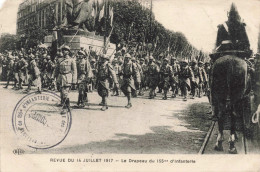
(196, 19)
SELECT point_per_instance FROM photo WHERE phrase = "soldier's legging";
(183, 87)
(82, 93)
(64, 96)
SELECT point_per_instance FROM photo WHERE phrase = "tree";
(8, 42)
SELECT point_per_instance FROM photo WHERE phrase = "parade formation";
(84, 72)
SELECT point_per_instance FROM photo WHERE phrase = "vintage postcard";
(129, 85)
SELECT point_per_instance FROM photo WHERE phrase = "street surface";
(150, 127)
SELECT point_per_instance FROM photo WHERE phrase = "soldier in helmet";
(58, 60)
(66, 73)
(84, 77)
(129, 71)
(16, 71)
(166, 75)
(143, 76)
(153, 74)
(50, 66)
(195, 84)
(22, 66)
(34, 74)
(94, 71)
(175, 81)
(117, 70)
(137, 77)
(185, 77)
(10, 74)
(105, 70)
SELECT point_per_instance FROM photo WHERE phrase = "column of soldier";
(86, 71)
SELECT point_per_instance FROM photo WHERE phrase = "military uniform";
(166, 75)
(175, 79)
(22, 66)
(34, 74)
(16, 71)
(136, 76)
(84, 77)
(66, 73)
(153, 76)
(105, 71)
(10, 73)
(117, 70)
(185, 77)
(50, 67)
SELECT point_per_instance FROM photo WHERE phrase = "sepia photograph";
(129, 85)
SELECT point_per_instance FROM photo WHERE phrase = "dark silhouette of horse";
(229, 85)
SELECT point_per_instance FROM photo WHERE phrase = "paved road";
(149, 127)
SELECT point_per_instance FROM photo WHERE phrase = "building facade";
(39, 12)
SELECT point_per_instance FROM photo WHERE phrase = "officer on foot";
(105, 70)
(84, 77)
(66, 73)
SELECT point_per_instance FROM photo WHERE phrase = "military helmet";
(151, 58)
(174, 58)
(105, 56)
(44, 55)
(133, 59)
(32, 56)
(141, 60)
(184, 61)
(161, 55)
(127, 55)
(166, 59)
(48, 57)
(81, 52)
(93, 60)
(65, 48)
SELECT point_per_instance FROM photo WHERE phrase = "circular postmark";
(38, 121)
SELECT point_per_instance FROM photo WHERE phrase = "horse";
(229, 85)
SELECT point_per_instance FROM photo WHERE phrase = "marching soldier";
(34, 74)
(166, 75)
(143, 77)
(129, 72)
(117, 70)
(9, 68)
(16, 71)
(66, 73)
(137, 77)
(152, 72)
(59, 59)
(22, 67)
(105, 70)
(185, 77)
(50, 67)
(175, 80)
(94, 72)
(195, 84)
(84, 77)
